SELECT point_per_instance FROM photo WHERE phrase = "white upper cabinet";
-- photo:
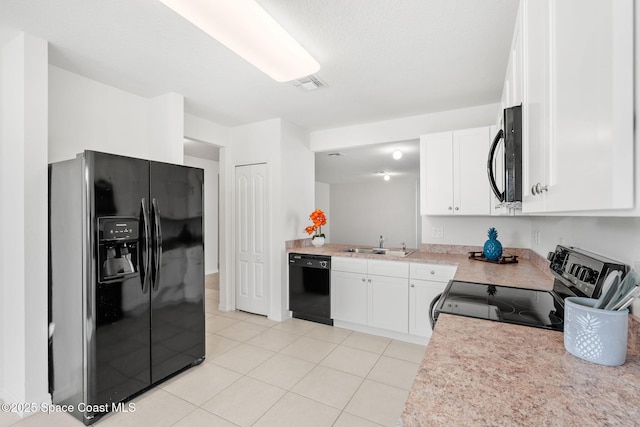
(513, 80)
(453, 174)
(436, 174)
(578, 105)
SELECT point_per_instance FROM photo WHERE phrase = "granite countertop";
(524, 274)
(478, 373)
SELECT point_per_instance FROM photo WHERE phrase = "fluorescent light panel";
(245, 28)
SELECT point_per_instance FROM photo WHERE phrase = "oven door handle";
(432, 306)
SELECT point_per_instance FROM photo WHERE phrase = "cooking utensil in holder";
(595, 335)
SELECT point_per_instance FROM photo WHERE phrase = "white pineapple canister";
(595, 335)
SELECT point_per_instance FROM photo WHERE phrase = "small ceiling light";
(397, 154)
(387, 177)
(248, 30)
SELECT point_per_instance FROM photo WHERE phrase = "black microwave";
(511, 171)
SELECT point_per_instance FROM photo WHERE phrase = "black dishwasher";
(310, 287)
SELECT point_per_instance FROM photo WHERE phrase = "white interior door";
(251, 239)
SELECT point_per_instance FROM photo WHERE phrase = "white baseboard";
(415, 339)
(222, 307)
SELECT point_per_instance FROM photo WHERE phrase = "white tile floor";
(263, 373)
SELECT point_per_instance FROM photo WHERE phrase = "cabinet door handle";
(432, 272)
(363, 279)
(457, 208)
(450, 208)
(413, 286)
(538, 189)
(369, 280)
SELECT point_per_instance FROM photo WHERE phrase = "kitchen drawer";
(434, 272)
(348, 264)
(389, 268)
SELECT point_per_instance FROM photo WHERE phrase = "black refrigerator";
(126, 278)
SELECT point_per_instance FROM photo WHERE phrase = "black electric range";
(576, 271)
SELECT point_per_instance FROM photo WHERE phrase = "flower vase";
(317, 241)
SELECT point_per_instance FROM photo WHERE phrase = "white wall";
(298, 181)
(323, 201)
(290, 165)
(203, 130)
(250, 144)
(88, 115)
(296, 203)
(361, 212)
(617, 238)
(211, 169)
(403, 128)
(166, 128)
(513, 232)
(23, 268)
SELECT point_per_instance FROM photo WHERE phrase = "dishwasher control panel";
(310, 261)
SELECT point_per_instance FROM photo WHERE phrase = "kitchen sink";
(380, 251)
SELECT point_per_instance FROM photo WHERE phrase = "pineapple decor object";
(492, 248)
(588, 343)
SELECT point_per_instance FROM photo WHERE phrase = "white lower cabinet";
(387, 303)
(348, 297)
(376, 300)
(396, 298)
(425, 283)
(421, 293)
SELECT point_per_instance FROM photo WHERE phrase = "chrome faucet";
(404, 247)
(381, 242)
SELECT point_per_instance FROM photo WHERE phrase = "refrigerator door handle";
(158, 242)
(146, 245)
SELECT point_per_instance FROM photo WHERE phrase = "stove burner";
(576, 273)
(501, 303)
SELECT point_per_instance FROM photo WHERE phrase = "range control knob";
(586, 274)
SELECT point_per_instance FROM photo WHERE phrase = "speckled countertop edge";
(532, 270)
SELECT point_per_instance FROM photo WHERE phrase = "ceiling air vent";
(309, 83)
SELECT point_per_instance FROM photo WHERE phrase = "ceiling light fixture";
(387, 177)
(397, 154)
(248, 30)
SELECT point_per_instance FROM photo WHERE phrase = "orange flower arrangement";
(319, 219)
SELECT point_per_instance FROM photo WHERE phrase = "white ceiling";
(380, 59)
(362, 164)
